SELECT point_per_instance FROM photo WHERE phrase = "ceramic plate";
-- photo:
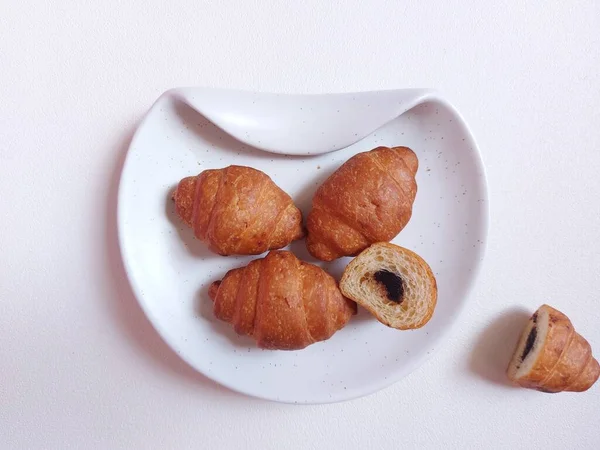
(298, 141)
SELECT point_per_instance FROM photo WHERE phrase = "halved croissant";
(238, 211)
(282, 302)
(368, 199)
(551, 356)
(393, 283)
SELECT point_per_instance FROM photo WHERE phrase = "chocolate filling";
(392, 283)
(529, 343)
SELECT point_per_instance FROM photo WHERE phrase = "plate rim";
(419, 360)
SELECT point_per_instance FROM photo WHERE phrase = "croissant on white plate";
(238, 210)
(282, 302)
(368, 199)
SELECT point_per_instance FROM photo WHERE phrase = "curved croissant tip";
(174, 194)
(213, 289)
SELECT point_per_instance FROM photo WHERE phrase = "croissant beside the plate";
(368, 199)
(282, 302)
(238, 211)
(551, 356)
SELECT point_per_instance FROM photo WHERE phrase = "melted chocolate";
(392, 283)
(529, 343)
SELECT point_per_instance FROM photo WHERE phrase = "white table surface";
(81, 367)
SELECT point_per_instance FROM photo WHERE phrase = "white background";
(80, 366)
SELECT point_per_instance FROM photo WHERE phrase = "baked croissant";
(393, 283)
(238, 211)
(551, 356)
(282, 302)
(368, 199)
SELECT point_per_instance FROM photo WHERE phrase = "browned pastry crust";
(368, 199)
(238, 211)
(564, 362)
(282, 302)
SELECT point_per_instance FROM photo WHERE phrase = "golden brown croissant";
(551, 356)
(282, 302)
(368, 199)
(238, 211)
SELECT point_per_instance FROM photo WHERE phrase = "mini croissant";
(238, 211)
(282, 302)
(368, 199)
(551, 356)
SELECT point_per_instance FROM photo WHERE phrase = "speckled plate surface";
(189, 130)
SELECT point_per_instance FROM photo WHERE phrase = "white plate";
(170, 271)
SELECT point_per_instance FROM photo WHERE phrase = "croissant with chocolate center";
(282, 302)
(368, 199)
(551, 356)
(238, 211)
